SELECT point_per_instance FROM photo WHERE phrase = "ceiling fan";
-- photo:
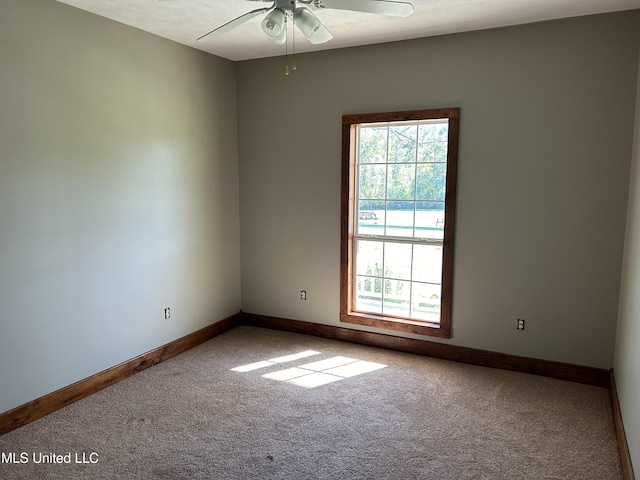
(276, 15)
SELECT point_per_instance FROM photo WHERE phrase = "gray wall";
(545, 147)
(118, 195)
(627, 357)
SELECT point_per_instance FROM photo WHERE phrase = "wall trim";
(564, 371)
(51, 402)
(618, 425)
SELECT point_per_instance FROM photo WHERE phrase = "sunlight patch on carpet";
(273, 361)
(328, 363)
(253, 366)
(356, 368)
(286, 375)
(315, 380)
(295, 356)
(314, 374)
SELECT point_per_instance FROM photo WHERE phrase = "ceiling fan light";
(311, 26)
(322, 35)
(273, 25)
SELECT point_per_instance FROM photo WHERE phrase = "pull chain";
(293, 41)
(286, 48)
(294, 64)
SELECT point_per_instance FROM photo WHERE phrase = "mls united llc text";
(54, 458)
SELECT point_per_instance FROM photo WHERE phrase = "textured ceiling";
(185, 20)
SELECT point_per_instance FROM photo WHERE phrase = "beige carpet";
(384, 415)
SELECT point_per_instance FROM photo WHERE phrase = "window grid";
(386, 238)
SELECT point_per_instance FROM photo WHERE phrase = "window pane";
(434, 131)
(431, 182)
(399, 219)
(368, 294)
(402, 181)
(402, 143)
(430, 220)
(373, 144)
(397, 260)
(372, 182)
(427, 263)
(397, 298)
(432, 142)
(433, 152)
(369, 258)
(425, 304)
(370, 217)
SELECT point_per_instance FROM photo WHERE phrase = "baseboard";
(51, 402)
(563, 371)
(623, 447)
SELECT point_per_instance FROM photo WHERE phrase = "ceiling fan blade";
(216, 32)
(381, 7)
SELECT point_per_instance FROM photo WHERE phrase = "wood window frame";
(347, 315)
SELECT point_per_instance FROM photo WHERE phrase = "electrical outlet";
(167, 313)
(303, 294)
(520, 324)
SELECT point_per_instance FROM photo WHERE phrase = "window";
(398, 205)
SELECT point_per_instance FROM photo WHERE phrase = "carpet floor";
(261, 404)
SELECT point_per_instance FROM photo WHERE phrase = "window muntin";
(398, 201)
